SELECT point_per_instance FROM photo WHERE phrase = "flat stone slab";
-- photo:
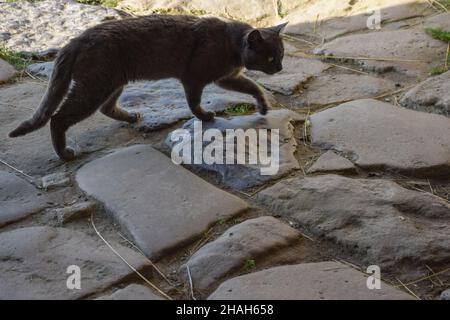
(377, 135)
(377, 221)
(332, 162)
(41, 25)
(243, 176)
(338, 18)
(7, 71)
(396, 46)
(308, 281)
(432, 95)
(329, 89)
(18, 198)
(295, 72)
(35, 261)
(251, 239)
(163, 102)
(132, 292)
(161, 205)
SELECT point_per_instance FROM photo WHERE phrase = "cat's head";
(263, 49)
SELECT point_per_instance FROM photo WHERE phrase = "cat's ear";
(279, 28)
(254, 38)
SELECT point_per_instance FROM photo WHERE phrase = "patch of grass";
(439, 34)
(17, 59)
(437, 70)
(173, 11)
(249, 264)
(239, 109)
(445, 3)
(105, 3)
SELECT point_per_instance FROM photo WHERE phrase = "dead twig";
(191, 285)
(409, 290)
(29, 178)
(149, 261)
(126, 262)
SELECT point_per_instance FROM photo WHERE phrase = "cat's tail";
(57, 88)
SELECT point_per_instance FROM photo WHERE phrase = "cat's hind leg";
(81, 102)
(111, 109)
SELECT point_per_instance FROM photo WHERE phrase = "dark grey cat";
(197, 51)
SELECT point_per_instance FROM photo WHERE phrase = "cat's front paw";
(206, 116)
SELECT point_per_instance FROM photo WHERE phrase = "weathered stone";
(77, 211)
(7, 71)
(18, 198)
(445, 295)
(440, 21)
(161, 205)
(327, 20)
(42, 69)
(377, 220)
(35, 261)
(132, 292)
(331, 162)
(295, 72)
(377, 135)
(252, 239)
(40, 25)
(242, 176)
(258, 12)
(432, 95)
(163, 102)
(309, 281)
(328, 89)
(55, 180)
(409, 52)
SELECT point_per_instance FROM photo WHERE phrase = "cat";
(92, 69)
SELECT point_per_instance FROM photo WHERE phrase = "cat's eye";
(271, 59)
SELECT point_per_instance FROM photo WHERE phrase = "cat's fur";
(91, 71)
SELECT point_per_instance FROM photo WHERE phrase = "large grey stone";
(377, 221)
(295, 72)
(432, 95)
(393, 48)
(242, 176)
(445, 295)
(440, 21)
(309, 281)
(377, 135)
(251, 239)
(163, 102)
(132, 292)
(258, 12)
(328, 89)
(18, 198)
(35, 26)
(326, 19)
(161, 205)
(331, 162)
(7, 71)
(35, 261)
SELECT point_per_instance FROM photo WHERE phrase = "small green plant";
(249, 264)
(436, 70)
(239, 109)
(439, 34)
(191, 12)
(105, 3)
(19, 60)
